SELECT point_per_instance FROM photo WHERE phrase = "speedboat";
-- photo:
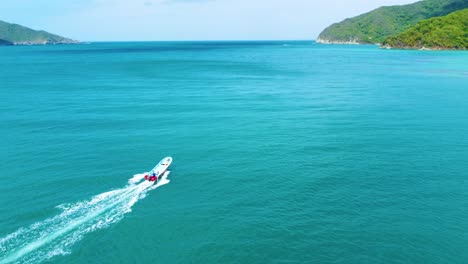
(158, 171)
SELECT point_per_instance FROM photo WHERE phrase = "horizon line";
(207, 40)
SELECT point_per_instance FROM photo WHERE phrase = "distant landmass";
(376, 26)
(446, 32)
(13, 34)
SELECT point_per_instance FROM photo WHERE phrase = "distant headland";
(13, 34)
(427, 24)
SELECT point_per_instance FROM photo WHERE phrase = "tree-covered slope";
(447, 32)
(377, 25)
(16, 34)
(4, 42)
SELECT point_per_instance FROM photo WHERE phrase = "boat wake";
(56, 235)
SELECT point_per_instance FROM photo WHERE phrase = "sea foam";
(56, 235)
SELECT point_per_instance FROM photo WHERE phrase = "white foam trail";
(161, 181)
(56, 235)
(137, 178)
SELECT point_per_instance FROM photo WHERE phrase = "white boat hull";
(159, 170)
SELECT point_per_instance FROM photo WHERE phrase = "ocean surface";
(284, 152)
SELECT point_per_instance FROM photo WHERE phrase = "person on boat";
(153, 177)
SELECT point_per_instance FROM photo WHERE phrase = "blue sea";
(284, 152)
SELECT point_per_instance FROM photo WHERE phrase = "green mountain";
(383, 22)
(447, 32)
(13, 34)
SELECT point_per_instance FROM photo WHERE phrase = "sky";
(155, 20)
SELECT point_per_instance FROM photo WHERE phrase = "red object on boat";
(146, 177)
(153, 178)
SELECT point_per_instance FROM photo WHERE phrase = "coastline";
(326, 41)
(34, 43)
(388, 47)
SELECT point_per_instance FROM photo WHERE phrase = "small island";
(13, 34)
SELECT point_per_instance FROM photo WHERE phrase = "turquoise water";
(284, 152)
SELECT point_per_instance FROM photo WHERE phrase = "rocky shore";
(326, 41)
